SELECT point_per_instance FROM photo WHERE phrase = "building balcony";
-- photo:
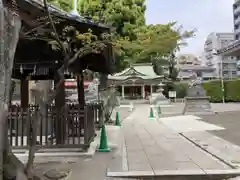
(237, 10)
(237, 31)
(237, 21)
(229, 61)
(209, 75)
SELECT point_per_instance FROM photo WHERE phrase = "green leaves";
(133, 40)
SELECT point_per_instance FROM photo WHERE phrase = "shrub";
(232, 91)
(213, 90)
(181, 89)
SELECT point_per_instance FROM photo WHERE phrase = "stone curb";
(181, 174)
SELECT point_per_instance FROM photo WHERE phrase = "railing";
(71, 126)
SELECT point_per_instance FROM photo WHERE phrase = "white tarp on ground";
(188, 123)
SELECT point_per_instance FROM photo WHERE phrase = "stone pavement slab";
(224, 150)
(188, 123)
(152, 146)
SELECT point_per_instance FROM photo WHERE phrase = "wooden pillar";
(143, 91)
(24, 93)
(123, 96)
(59, 123)
(81, 98)
(80, 87)
(151, 90)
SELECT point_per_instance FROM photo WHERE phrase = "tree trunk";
(10, 25)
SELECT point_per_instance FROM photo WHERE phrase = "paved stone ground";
(123, 112)
(152, 147)
(88, 168)
(230, 121)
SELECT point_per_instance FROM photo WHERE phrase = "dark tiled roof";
(60, 13)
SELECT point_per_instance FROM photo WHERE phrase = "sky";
(205, 15)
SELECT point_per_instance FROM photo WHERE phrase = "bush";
(180, 88)
(213, 90)
(231, 93)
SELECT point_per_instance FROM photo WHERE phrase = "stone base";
(197, 106)
(159, 99)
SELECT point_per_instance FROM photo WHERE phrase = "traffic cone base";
(103, 147)
(117, 122)
(104, 150)
(159, 112)
(151, 116)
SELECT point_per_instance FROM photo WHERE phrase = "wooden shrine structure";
(36, 60)
(137, 81)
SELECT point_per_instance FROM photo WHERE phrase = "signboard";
(172, 94)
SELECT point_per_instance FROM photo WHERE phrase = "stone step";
(198, 106)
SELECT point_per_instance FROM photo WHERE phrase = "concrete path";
(154, 148)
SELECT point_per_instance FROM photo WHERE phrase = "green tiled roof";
(143, 70)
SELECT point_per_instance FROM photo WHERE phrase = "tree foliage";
(78, 44)
(134, 40)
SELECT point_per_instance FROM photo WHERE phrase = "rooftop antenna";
(74, 11)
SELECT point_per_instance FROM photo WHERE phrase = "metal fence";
(72, 126)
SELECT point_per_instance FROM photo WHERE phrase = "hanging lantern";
(21, 69)
(34, 70)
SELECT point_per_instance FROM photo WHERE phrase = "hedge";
(180, 88)
(213, 90)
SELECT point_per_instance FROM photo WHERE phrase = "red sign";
(73, 83)
(70, 83)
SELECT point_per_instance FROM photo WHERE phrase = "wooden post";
(80, 87)
(2, 83)
(24, 93)
(59, 105)
(81, 97)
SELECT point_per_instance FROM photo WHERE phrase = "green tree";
(125, 16)
(135, 42)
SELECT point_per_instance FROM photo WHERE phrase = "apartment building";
(189, 65)
(236, 19)
(217, 41)
(236, 22)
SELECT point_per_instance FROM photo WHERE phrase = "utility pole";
(2, 88)
(222, 81)
(214, 53)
